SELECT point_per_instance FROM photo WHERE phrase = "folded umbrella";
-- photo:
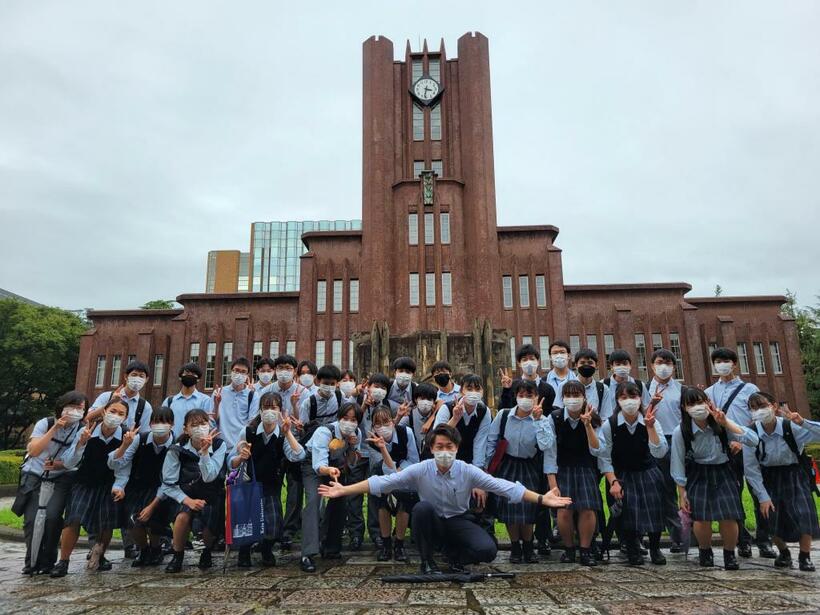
(46, 491)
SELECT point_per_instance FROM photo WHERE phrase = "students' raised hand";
(403, 411)
(193, 504)
(352, 439)
(60, 423)
(129, 436)
(538, 409)
(506, 377)
(249, 383)
(649, 417)
(286, 423)
(118, 392)
(795, 417)
(656, 398)
(368, 398)
(217, 395)
(766, 508)
(586, 415)
(458, 410)
(717, 414)
(553, 499)
(297, 393)
(205, 443)
(117, 494)
(85, 435)
(376, 440)
(333, 490)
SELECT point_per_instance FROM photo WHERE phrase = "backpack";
(314, 404)
(638, 384)
(803, 460)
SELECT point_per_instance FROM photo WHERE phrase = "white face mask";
(444, 459)
(284, 376)
(622, 371)
(424, 406)
(347, 428)
(200, 431)
(386, 432)
(326, 390)
(306, 380)
(763, 415)
(403, 379)
(347, 387)
(698, 412)
(270, 416)
(161, 429)
(135, 383)
(630, 406)
(74, 415)
(238, 379)
(472, 397)
(663, 371)
(573, 404)
(724, 368)
(377, 394)
(112, 420)
(525, 403)
(529, 367)
(560, 360)
(265, 377)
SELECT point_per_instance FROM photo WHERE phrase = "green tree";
(39, 347)
(807, 320)
(159, 304)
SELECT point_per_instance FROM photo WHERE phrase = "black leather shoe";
(744, 550)
(142, 559)
(399, 554)
(515, 552)
(156, 554)
(131, 551)
(28, 570)
(244, 559)
(676, 548)
(268, 558)
(205, 559)
(806, 564)
(730, 561)
(386, 551)
(634, 558)
(429, 567)
(568, 556)
(706, 558)
(45, 569)
(544, 549)
(60, 569)
(656, 557)
(355, 544)
(783, 560)
(175, 565)
(307, 564)
(530, 556)
(285, 546)
(587, 558)
(377, 542)
(765, 551)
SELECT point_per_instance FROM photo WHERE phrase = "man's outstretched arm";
(335, 490)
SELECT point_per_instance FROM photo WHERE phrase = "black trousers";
(355, 521)
(463, 540)
(294, 502)
(762, 534)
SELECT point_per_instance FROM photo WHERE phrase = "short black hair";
(526, 349)
(71, 398)
(263, 362)
(241, 361)
(347, 407)
(761, 399)
(724, 353)
(137, 366)
(405, 363)
(525, 385)
(191, 367)
(439, 366)
(559, 344)
(329, 372)
(443, 429)
(425, 391)
(284, 359)
(472, 380)
(379, 378)
(312, 369)
(162, 415)
(586, 353)
(620, 355)
(662, 353)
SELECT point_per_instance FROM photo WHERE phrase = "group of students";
(430, 457)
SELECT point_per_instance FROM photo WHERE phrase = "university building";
(430, 273)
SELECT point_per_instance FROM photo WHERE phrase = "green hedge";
(10, 462)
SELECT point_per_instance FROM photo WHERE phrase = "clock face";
(426, 89)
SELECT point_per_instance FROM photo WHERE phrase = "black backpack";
(638, 383)
(803, 460)
(314, 404)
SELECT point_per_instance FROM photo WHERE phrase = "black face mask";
(442, 379)
(189, 380)
(587, 371)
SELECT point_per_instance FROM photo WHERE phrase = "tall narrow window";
(444, 227)
(321, 296)
(418, 167)
(434, 71)
(429, 229)
(338, 295)
(506, 286)
(512, 352)
(777, 364)
(274, 349)
(131, 357)
(210, 364)
(544, 349)
(418, 70)
(640, 350)
(760, 360)
(159, 367)
(743, 358)
(592, 343)
(257, 354)
(418, 123)
(354, 296)
(227, 358)
(675, 349)
(435, 123)
(290, 347)
(609, 347)
(351, 354)
(526, 339)
(99, 377)
(116, 365)
(414, 289)
(446, 288)
(336, 353)
(524, 291)
(712, 348)
(540, 291)
(413, 229)
(320, 352)
(574, 344)
(193, 355)
(657, 341)
(438, 168)
(430, 288)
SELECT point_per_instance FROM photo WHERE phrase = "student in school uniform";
(421, 416)
(631, 442)
(441, 520)
(49, 438)
(707, 488)
(448, 389)
(231, 404)
(779, 474)
(597, 394)
(401, 390)
(265, 373)
(527, 433)
(621, 362)
(560, 374)
(323, 404)
(665, 391)
(189, 397)
(571, 468)
(348, 386)
(267, 445)
(731, 395)
(193, 476)
(396, 446)
(139, 409)
(141, 456)
(96, 497)
(307, 372)
(328, 454)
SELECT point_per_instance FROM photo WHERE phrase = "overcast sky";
(669, 141)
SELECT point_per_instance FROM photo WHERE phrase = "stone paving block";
(321, 582)
(588, 594)
(432, 597)
(663, 589)
(762, 604)
(229, 596)
(301, 611)
(138, 595)
(419, 610)
(221, 609)
(232, 582)
(784, 585)
(552, 578)
(491, 597)
(618, 574)
(327, 597)
(134, 610)
(662, 606)
(535, 609)
(349, 571)
(171, 581)
(33, 609)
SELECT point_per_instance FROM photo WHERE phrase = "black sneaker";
(706, 558)
(805, 564)
(355, 544)
(656, 557)
(399, 554)
(587, 558)
(44, 569)
(730, 561)
(307, 564)
(60, 569)
(28, 570)
(544, 548)
(568, 556)
(386, 550)
(765, 551)
(175, 565)
(206, 560)
(783, 560)
(744, 550)
(244, 559)
(429, 567)
(143, 558)
(515, 552)
(131, 551)
(104, 564)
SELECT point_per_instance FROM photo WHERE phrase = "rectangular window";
(413, 229)
(760, 361)
(131, 357)
(777, 364)
(418, 167)
(574, 344)
(116, 365)
(274, 349)
(609, 347)
(321, 296)
(675, 349)
(657, 341)
(320, 352)
(430, 288)
(338, 295)
(227, 357)
(418, 70)
(435, 68)
(444, 227)
(438, 168)
(743, 358)
(210, 364)
(290, 347)
(257, 354)
(429, 229)
(354, 296)
(526, 339)
(414, 289)
(524, 291)
(336, 353)
(435, 123)
(446, 288)
(506, 286)
(193, 355)
(512, 352)
(99, 377)
(418, 123)
(712, 348)
(592, 342)
(540, 291)
(351, 353)
(159, 366)
(640, 350)
(544, 349)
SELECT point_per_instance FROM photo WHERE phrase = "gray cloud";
(668, 141)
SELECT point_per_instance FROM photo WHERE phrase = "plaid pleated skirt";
(273, 517)
(581, 483)
(643, 503)
(93, 508)
(794, 512)
(212, 516)
(713, 493)
(137, 498)
(527, 472)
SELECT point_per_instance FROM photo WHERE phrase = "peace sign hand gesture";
(586, 415)
(205, 443)
(403, 411)
(458, 410)
(85, 435)
(294, 398)
(506, 377)
(795, 417)
(649, 417)
(538, 410)
(128, 436)
(718, 415)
